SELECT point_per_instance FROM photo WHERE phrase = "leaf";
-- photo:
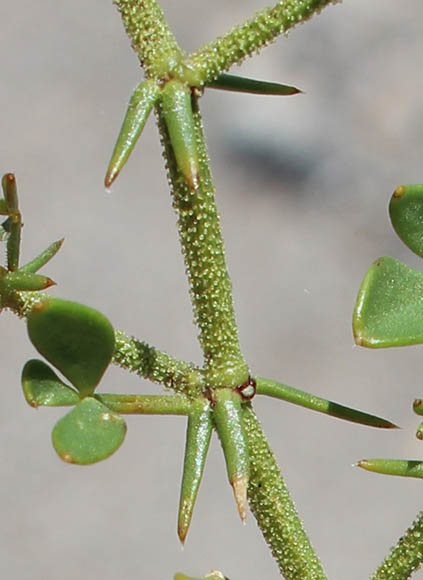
(399, 467)
(42, 387)
(177, 113)
(199, 430)
(389, 307)
(89, 433)
(139, 108)
(289, 394)
(76, 339)
(240, 84)
(406, 213)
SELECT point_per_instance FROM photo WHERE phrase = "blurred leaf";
(406, 212)
(88, 433)
(240, 84)
(389, 307)
(76, 339)
(41, 386)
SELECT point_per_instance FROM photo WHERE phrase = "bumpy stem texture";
(274, 509)
(406, 557)
(202, 246)
(218, 56)
(150, 36)
(154, 365)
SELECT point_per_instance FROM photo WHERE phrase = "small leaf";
(139, 108)
(389, 307)
(76, 339)
(42, 259)
(199, 430)
(177, 113)
(309, 401)
(400, 467)
(239, 84)
(89, 433)
(230, 428)
(406, 212)
(19, 281)
(42, 387)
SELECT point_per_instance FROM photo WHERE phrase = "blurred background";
(303, 185)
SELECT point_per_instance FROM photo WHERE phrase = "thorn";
(239, 485)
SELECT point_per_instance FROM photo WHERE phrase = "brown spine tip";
(49, 282)
(184, 519)
(239, 486)
(110, 178)
(399, 192)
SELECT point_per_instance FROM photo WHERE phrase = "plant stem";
(218, 56)
(202, 245)
(406, 557)
(275, 511)
(150, 36)
(146, 404)
(157, 366)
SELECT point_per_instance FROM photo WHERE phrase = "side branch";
(242, 41)
(157, 366)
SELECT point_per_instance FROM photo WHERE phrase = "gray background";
(303, 185)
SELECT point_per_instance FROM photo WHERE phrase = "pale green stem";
(242, 41)
(406, 557)
(146, 404)
(275, 511)
(157, 366)
(202, 246)
(150, 36)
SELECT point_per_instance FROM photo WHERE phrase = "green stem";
(217, 57)
(406, 557)
(202, 246)
(275, 511)
(146, 404)
(152, 364)
(150, 36)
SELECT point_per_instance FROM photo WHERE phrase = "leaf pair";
(79, 342)
(389, 307)
(174, 98)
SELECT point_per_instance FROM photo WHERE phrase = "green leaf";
(239, 84)
(289, 394)
(89, 433)
(399, 467)
(406, 212)
(389, 307)
(177, 113)
(139, 108)
(42, 259)
(230, 428)
(76, 339)
(199, 430)
(42, 387)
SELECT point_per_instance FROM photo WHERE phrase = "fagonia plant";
(80, 343)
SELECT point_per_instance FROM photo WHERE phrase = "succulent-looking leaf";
(42, 259)
(42, 387)
(389, 307)
(289, 394)
(19, 281)
(400, 467)
(139, 108)
(89, 433)
(230, 428)
(199, 430)
(10, 192)
(76, 339)
(177, 113)
(406, 212)
(239, 84)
